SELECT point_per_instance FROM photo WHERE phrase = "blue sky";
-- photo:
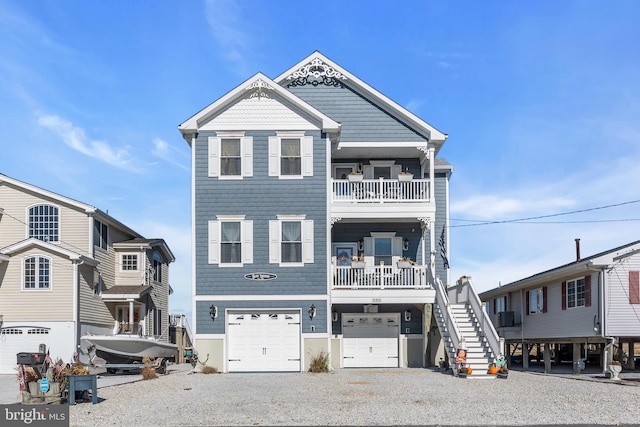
(541, 101)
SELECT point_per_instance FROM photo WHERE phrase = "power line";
(524, 220)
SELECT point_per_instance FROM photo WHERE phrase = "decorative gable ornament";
(316, 72)
(257, 88)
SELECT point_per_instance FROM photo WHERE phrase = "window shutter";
(306, 148)
(274, 156)
(368, 251)
(247, 156)
(634, 287)
(367, 171)
(564, 295)
(247, 242)
(494, 305)
(214, 157)
(587, 291)
(307, 242)
(544, 299)
(528, 298)
(214, 242)
(274, 242)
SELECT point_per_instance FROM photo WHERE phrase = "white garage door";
(263, 342)
(20, 339)
(370, 340)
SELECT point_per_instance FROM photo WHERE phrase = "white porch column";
(432, 160)
(131, 314)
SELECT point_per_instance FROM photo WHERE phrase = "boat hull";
(130, 348)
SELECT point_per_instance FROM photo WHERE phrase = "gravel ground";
(359, 397)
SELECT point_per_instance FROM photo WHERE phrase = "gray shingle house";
(318, 205)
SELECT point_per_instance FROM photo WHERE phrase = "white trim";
(28, 222)
(356, 83)
(209, 336)
(121, 263)
(37, 288)
(258, 298)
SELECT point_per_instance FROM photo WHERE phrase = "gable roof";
(140, 242)
(316, 60)
(33, 242)
(259, 84)
(593, 262)
(88, 209)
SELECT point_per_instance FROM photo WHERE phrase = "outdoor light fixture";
(407, 315)
(405, 244)
(213, 312)
(334, 316)
(312, 311)
(360, 245)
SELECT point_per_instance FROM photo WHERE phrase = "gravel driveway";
(359, 397)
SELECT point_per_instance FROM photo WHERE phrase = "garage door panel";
(370, 341)
(264, 342)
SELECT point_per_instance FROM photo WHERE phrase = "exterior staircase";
(462, 324)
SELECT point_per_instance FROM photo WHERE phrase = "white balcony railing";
(380, 277)
(381, 191)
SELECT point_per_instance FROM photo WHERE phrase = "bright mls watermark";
(34, 415)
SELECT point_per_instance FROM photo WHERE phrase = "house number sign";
(260, 276)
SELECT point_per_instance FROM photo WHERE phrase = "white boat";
(130, 348)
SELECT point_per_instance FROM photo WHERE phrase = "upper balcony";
(361, 197)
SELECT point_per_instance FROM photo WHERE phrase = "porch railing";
(380, 277)
(381, 191)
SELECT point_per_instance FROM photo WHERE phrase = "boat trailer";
(159, 364)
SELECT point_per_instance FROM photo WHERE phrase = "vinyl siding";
(440, 188)
(92, 309)
(206, 326)
(361, 119)
(622, 317)
(73, 224)
(54, 304)
(558, 323)
(260, 198)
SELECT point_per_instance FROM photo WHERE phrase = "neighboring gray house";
(309, 191)
(68, 269)
(584, 311)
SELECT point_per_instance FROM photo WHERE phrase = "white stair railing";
(449, 327)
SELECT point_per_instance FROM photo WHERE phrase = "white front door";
(263, 341)
(370, 340)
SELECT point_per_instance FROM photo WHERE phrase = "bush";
(319, 363)
(206, 369)
(149, 373)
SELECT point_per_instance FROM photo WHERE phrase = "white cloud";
(168, 153)
(225, 21)
(76, 138)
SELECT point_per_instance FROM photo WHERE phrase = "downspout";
(603, 324)
(76, 307)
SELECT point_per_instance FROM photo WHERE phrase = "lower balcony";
(382, 284)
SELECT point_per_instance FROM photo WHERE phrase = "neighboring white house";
(580, 312)
(67, 269)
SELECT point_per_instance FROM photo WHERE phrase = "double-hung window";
(37, 272)
(230, 155)
(291, 240)
(575, 293)
(231, 241)
(44, 223)
(290, 155)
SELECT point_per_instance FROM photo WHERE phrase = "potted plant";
(405, 176)
(357, 262)
(615, 368)
(405, 263)
(355, 176)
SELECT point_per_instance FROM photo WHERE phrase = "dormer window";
(44, 223)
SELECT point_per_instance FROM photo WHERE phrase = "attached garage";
(57, 337)
(370, 340)
(263, 341)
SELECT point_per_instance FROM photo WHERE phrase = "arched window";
(43, 223)
(37, 272)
